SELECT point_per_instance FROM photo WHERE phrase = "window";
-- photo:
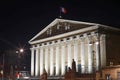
(118, 75)
(79, 68)
(111, 63)
(108, 77)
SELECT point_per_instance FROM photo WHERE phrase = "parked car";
(22, 75)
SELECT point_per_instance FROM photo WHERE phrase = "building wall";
(109, 73)
(113, 49)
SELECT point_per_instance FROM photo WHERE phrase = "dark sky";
(21, 20)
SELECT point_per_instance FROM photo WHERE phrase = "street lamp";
(19, 52)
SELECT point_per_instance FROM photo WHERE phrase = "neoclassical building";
(89, 44)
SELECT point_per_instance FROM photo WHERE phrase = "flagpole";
(60, 13)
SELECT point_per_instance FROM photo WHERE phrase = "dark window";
(54, 70)
(66, 68)
(79, 68)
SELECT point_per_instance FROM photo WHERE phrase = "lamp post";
(19, 52)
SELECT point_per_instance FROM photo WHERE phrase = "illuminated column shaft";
(102, 50)
(90, 58)
(46, 59)
(69, 56)
(97, 55)
(41, 60)
(37, 61)
(32, 62)
(82, 57)
(76, 54)
(63, 59)
(86, 53)
(57, 60)
(51, 61)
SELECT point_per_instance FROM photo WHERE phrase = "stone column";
(82, 55)
(103, 50)
(93, 44)
(41, 60)
(47, 58)
(97, 55)
(97, 51)
(86, 43)
(76, 52)
(58, 58)
(51, 59)
(37, 61)
(32, 61)
(69, 53)
(90, 67)
(63, 57)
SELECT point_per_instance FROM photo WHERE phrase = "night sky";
(21, 20)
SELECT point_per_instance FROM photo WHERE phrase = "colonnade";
(87, 50)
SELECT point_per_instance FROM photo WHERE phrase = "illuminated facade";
(56, 45)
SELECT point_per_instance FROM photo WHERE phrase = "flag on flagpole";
(63, 10)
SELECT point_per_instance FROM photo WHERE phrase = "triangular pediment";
(60, 26)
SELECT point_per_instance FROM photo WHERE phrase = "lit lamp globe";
(21, 50)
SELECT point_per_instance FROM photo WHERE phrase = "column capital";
(58, 41)
(63, 41)
(70, 41)
(33, 47)
(42, 44)
(71, 38)
(102, 36)
(52, 43)
(47, 44)
(38, 45)
(82, 39)
(85, 35)
(92, 33)
(77, 36)
(90, 38)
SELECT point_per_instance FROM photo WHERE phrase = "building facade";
(111, 72)
(57, 44)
